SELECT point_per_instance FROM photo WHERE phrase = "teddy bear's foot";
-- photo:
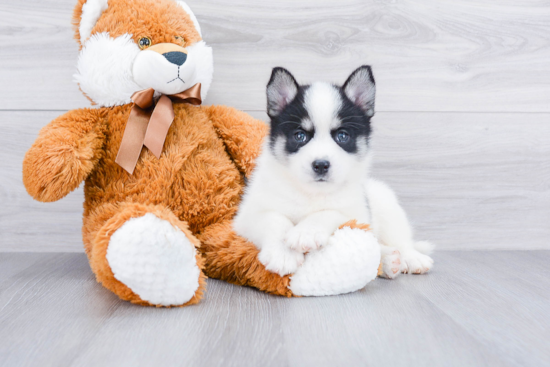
(155, 260)
(347, 263)
(144, 254)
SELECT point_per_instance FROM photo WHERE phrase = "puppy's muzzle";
(320, 167)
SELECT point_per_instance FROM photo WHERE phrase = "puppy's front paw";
(280, 259)
(306, 238)
(415, 262)
(391, 262)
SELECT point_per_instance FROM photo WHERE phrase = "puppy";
(313, 175)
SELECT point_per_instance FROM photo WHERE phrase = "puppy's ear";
(281, 90)
(361, 89)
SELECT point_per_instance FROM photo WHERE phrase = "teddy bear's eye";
(144, 42)
(180, 39)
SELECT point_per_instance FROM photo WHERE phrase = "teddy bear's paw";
(415, 262)
(391, 262)
(306, 238)
(346, 264)
(278, 258)
(155, 260)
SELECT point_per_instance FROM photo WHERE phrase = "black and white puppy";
(313, 176)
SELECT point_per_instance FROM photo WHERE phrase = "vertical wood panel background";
(462, 130)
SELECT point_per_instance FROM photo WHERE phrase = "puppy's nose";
(175, 57)
(320, 167)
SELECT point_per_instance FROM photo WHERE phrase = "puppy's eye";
(144, 42)
(342, 136)
(300, 136)
(180, 39)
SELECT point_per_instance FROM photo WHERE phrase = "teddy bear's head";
(131, 45)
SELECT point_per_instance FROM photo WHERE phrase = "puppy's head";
(320, 132)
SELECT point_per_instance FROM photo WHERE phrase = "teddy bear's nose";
(175, 57)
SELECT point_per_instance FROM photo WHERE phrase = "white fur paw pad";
(155, 260)
(305, 239)
(391, 262)
(280, 259)
(346, 264)
(415, 262)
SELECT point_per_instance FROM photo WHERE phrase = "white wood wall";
(462, 130)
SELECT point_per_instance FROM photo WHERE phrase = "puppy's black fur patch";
(355, 122)
(286, 122)
(289, 122)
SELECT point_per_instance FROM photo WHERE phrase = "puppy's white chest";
(351, 204)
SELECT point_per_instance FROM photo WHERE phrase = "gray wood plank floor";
(478, 308)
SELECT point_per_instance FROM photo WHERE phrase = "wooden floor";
(477, 308)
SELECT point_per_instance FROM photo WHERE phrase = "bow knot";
(149, 128)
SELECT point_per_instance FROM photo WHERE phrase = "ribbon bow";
(149, 128)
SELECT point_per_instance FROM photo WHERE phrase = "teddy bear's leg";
(231, 258)
(349, 261)
(144, 254)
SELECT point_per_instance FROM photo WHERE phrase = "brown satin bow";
(150, 128)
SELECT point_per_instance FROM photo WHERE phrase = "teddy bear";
(164, 174)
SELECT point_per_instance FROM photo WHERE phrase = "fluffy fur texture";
(313, 175)
(102, 60)
(91, 11)
(194, 188)
(348, 261)
(190, 194)
(111, 66)
(155, 260)
(392, 228)
(204, 58)
(106, 221)
(191, 15)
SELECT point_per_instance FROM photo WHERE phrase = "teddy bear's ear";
(85, 16)
(191, 15)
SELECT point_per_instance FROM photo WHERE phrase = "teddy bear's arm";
(242, 134)
(63, 155)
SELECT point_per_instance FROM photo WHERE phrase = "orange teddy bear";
(157, 219)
